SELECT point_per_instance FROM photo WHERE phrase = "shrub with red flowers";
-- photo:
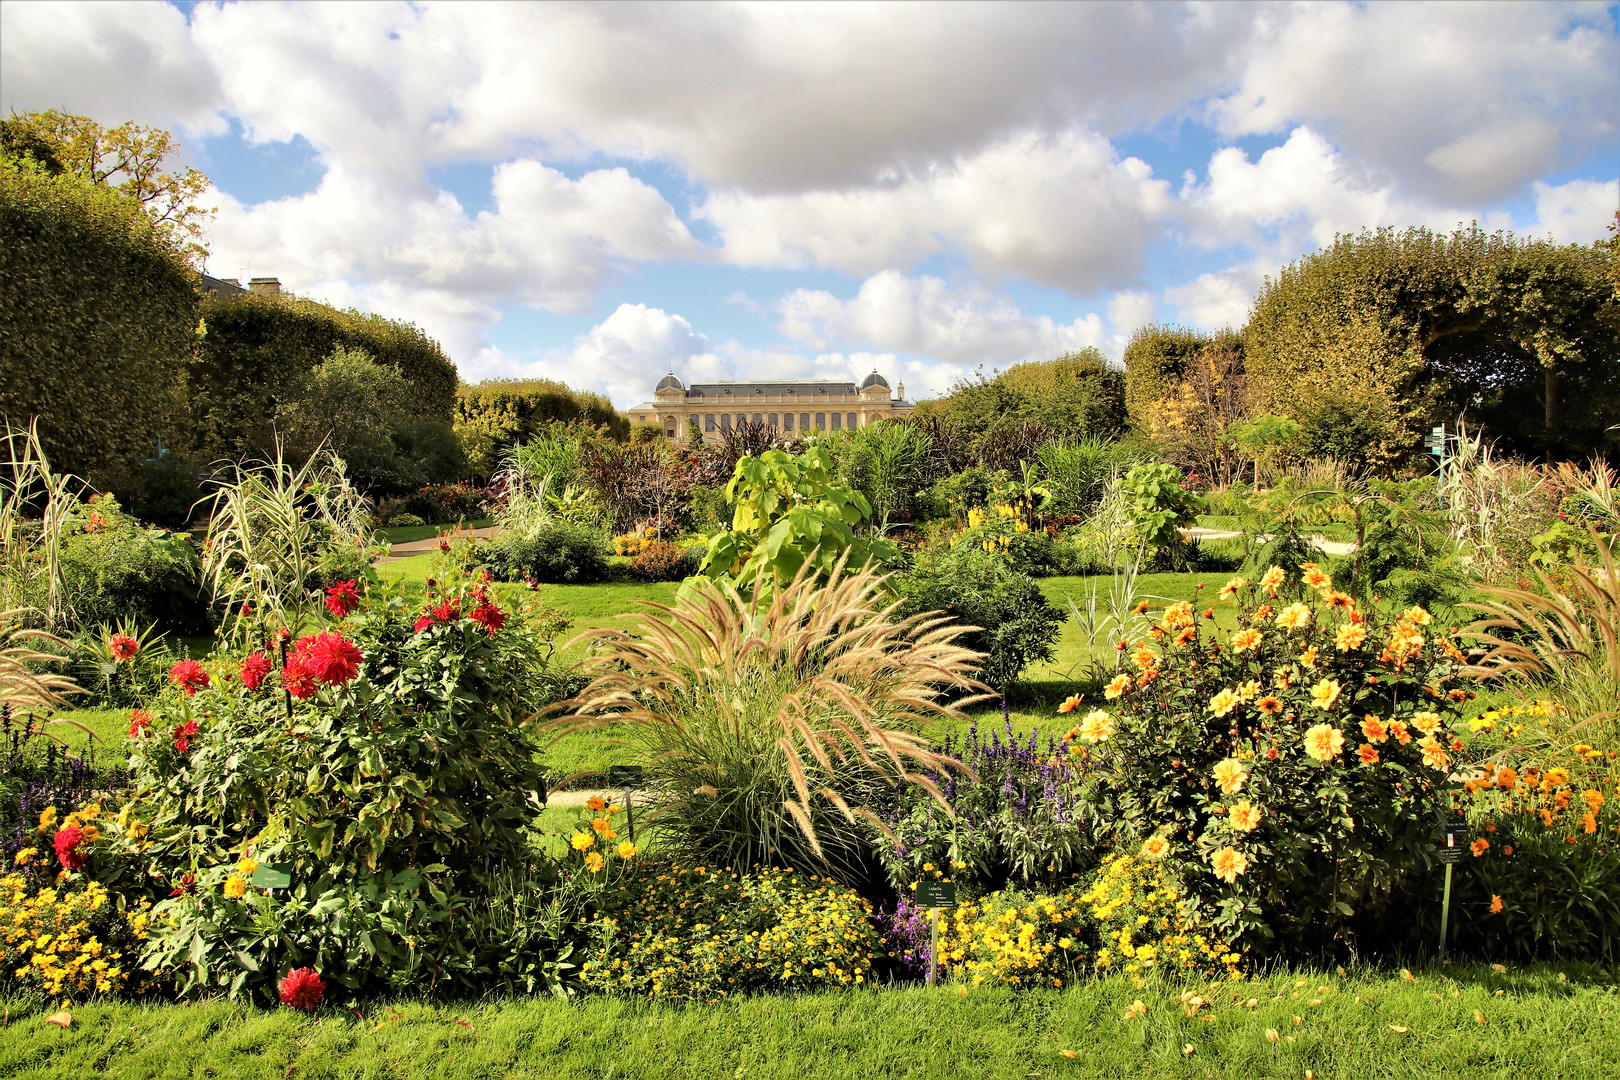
(342, 597)
(66, 844)
(1296, 767)
(388, 781)
(302, 988)
(189, 676)
(661, 560)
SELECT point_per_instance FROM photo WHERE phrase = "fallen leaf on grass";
(961, 992)
(1479, 1016)
(1298, 1020)
(1271, 1035)
(1314, 1001)
(1309, 1075)
(1251, 1003)
(464, 1023)
(1407, 975)
(1299, 984)
(1136, 1009)
(1187, 1050)
(1499, 993)
(1067, 1053)
(1436, 996)
(1499, 969)
(1398, 1029)
(61, 1019)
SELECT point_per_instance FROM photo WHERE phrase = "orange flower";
(1589, 821)
(1556, 778)
(1155, 847)
(1230, 773)
(1178, 615)
(1308, 657)
(1223, 702)
(1245, 816)
(1273, 580)
(1096, 727)
(1294, 617)
(1244, 640)
(1229, 863)
(594, 861)
(1144, 658)
(1398, 732)
(1231, 587)
(1507, 779)
(1070, 704)
(1594, 799)
(1417, 616)
(1373, 729)
(1350, 636)
(1184, 636)
(1496, 904)
(1426, 722)
(1340, 600)
(1368, 754)
(1434, 755)
(580, 841)
(1325, 693)
(1118, 686)
(1547, 818)
(1314, 578)
(1248, 691)
(1323, 742)
(595, 803)
(1480, 847)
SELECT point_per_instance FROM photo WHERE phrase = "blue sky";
(597, 193)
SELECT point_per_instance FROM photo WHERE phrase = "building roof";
(669, 382)
(875, 379)
(735, 391)
(214, 284)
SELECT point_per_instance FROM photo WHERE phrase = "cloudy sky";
(597, 193)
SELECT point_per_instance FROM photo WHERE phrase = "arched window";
(850, 422)
(821, 421)
(708, 422)
(725, 421)
(742, 418)
(804, 421)
(787, 421)
(759, 418)
(771, 420)
(838, 421)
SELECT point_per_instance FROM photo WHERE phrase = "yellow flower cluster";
(634, 543)
(49, 940)
(1140, 914)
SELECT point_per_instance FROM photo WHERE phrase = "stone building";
(807, 406)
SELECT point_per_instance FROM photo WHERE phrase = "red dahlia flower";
(189, 676)
(302, 988)
(299, 678)
(67, 843)
(490, 617)
(254, 669)
(140, 723)
(341, 598)
(183, 734)
(332, 659)
(123, 647)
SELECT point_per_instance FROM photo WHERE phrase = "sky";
(600, 193)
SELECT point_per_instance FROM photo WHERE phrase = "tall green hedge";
(97, 311)
(1155, 361)
(497, 414)
(255, 346)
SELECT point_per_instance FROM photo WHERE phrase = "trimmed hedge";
(497, 414)
(254, 346)
(97, 311)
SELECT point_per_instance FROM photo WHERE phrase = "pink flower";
(302, 988)
(67, 843)
(331, 658)
(341, 598)
(183, 734)
(254, 669)
(189, 676)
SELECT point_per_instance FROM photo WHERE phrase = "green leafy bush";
(1161, 503)
(556, 552)
(701, 933)
(405, 521)
(115, 569)
(1016, 624)
(445, 504)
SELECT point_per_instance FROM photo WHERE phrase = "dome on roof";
(669, 382)
(875, 379)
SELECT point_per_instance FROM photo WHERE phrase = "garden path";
(1332, 547)
(419, 547)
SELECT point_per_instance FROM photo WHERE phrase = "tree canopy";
(1077, 393)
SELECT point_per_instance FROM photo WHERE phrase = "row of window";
(839, 420)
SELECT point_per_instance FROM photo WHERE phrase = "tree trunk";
(1550, 416)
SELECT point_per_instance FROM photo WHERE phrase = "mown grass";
(1366, 1024)
(405, 534)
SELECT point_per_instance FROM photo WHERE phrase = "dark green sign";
(1453, 838)
(936, 893)
(271, 877)
(624, 776)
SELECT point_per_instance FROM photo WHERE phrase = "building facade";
(807, 406)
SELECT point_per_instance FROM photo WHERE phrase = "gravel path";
(1332, 547)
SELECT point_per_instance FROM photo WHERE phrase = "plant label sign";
(1453, 838)
(936, 894)
(624, 776)
(271, 877)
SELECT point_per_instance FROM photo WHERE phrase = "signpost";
(1435, 443)
(626, 777)
(1453, 835)
(266, 876)
(934, 895)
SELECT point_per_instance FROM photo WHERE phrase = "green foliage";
(97, 312)
(1077, 471)
(703, 933)
(558, 551)
(790, 511)
(495, 415)
(1340, 754)
(1076, 394)
(1156, 358)
(115, 569)
(1015, 624)
(1160, 503)
(256, 348)
(886, 462)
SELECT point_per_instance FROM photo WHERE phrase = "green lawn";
(407, 533)
(1363, 1025)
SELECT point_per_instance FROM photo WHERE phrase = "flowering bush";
(441, 504)
(1296, 766)
(661, 560)
(635, 541)
(67, 941)
(596, 852)
(702, 932)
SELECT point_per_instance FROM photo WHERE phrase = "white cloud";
(1578, 212)
(1063, 211)
(963, 326)
(1219, 299)
(1460, 101)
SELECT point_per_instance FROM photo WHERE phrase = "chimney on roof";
(269, 286)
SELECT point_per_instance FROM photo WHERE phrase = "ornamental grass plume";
(770, 723)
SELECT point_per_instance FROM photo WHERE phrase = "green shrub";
(1295, 767)
(701, 933)
(1161, 504)
(662, 561)
(446, 504)
(405, 521)
(115, 569)
(1016, 624)
(556, 552)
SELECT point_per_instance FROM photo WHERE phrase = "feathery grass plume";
(1566, 643)
(26, 683)
(770, 721)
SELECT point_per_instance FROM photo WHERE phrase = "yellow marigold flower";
(1556, 778)
(246, 865)
(1294, 617)
(595, 803)
(235, 886)
(1117, 687)
(1096, 727)
(1323, 742)
(1308, 657)
(1070, 704)
(1480, 847)
(1434, 756)
(1244, 816)
(1314, 578)
(1230, 773)
(594, 861)
(23, 857)
(1224, 702)
(1155, 847)
(1244, 640)
(1231, 588)
(627, 850)
(1229, 863)
(1349, 636)
(1593, 797)
(1496, 904)
(1417, 616)
(1273, 580)
(1426, 722)
(1325, 693)
(580, 841)
(601, 825)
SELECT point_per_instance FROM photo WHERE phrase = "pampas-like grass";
(771, 722)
